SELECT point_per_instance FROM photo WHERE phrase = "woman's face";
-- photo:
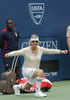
(34, 43)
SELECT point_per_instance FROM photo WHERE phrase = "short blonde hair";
(34, 36)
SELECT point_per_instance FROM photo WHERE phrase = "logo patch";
(36, 11)
(16, 34)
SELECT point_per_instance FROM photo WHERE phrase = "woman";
(32, 56)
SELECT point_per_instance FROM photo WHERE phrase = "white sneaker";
(40, 94)
(16, 90)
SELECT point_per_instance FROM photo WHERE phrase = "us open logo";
(36, 11)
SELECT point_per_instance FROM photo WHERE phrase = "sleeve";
(2, 36)
(17, 53)
(68, 31)
(51, 51)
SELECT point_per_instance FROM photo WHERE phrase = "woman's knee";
(40, 73)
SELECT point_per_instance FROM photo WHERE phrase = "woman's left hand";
(64, 51)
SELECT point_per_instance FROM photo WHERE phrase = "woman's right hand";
(6, 55)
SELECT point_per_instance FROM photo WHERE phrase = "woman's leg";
(26, 86)
(17, 88)
(38, 73)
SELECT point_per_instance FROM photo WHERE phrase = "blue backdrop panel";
(47, 18)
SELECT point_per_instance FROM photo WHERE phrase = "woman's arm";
(54, 51)
(15, 53)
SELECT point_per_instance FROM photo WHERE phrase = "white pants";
(28, 72)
